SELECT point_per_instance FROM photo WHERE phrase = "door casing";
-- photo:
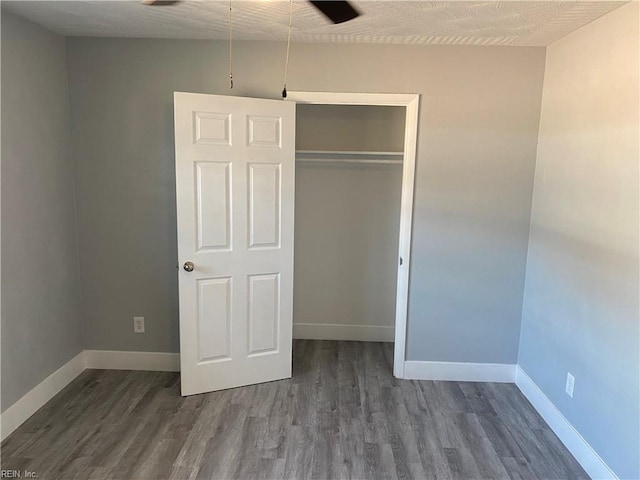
(411, 102)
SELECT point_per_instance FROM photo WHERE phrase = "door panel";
(212, 128)
(264, 131)
(264, 311)
(213, 197)
(214, 319)
(264, 205)
(235, 199)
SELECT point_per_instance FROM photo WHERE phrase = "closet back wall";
(479, 116)
(347, 224)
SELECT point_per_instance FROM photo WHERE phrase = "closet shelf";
(352, 157)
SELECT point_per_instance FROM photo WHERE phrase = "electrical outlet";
(138, 324)
(569, 386)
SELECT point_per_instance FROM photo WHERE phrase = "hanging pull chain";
(230, 49)
(286, 62)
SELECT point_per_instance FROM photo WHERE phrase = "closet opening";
(354, 185)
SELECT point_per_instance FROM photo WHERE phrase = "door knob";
(188, 266)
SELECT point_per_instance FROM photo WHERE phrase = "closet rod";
(349, 157)
(349, 161)
(349, 153)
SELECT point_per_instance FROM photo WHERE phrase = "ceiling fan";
(336, 11)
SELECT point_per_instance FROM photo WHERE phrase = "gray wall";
(347, 218)
(580, 312)
(41, 323)
(476, 154)
(350, 128)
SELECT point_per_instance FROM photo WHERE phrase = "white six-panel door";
(235, 203)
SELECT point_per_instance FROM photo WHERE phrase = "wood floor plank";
(487, 459)
(299, 457)
(341, 416)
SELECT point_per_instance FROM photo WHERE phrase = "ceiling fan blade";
(160, 3)
(337, 12)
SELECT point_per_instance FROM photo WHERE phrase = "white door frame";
(411, 103)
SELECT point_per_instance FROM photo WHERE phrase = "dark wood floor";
(342, 415)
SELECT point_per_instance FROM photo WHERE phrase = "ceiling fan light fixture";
(160, 3)
(336, 11)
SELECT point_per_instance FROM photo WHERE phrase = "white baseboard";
(460, 372)
(117, 360)
(19, 412)
(30, 403)
(360, 333)
(568, 435)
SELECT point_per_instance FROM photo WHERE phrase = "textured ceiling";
(515, 22)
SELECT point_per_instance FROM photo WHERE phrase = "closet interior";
(347, 218)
